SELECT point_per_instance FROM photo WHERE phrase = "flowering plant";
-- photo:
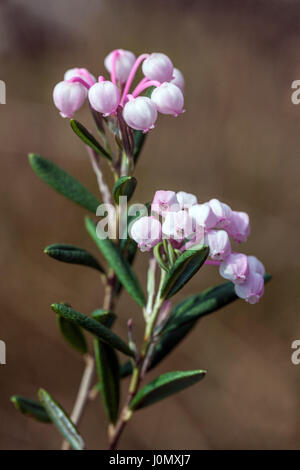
(179, 234)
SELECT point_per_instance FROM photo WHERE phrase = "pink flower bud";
(178, 225)
(178, 79)
(104, 97)
(186, 200)
(222, 211)
(69, 97)
(239, 226)
(251, 290)
(218, 243)
(81, 73)
(159, 67)
(256, 266)
(168, 99)
(140, 113)
(146, 231)
(203, 215)
(164, 201)
(235, 268)
(124, 64)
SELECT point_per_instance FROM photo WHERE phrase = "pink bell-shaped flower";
(140, 113)
(235, 268)
(146, 231)
(177, 225)
(251, 290)
(218, 243)
(81, 73)
(159, 67)
(186, 200)
(104, 97)
(124, 63)
(164, 201)
(178, 79)
(69, 97)
(168, 99)
(203, 215)
(256, 266)
(222, 211)
(239, 226)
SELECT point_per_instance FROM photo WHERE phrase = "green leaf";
(93, 326)
(105, 317)
(63, 182)
(125, 186)
(118, 263)
(72, 333)
(61, 420)
(109, 377)
(164, 386)
(30, 408)
(73, 255)
(88, 138)
(183, 270)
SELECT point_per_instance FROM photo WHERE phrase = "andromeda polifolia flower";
(239, 226)
(104, 97)
(140, 113)
(251, 290)
(235, 268)
(164, 201)
(68, 97)
(178, 79)
(168, 99)
(124, 61)
(218, 243)
(159, 67)
(146, 231)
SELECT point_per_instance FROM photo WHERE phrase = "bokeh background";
(238, 141)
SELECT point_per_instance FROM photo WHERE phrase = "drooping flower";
(104, 97)
(235, 268)
(159, 67)
(203, 215)
(80, 72)
(222, 211)
(178, 79)
(251, 290)
(164, 201)
(218, 243)
(256, 266)
(68, 97)
(140, 113)
(186, 200)
(168, 99)
(239, 226)
(177, 225)
(146, 231)
(124, 61)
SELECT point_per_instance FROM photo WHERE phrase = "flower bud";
(140, 113)
(146, 231)
(186, 200)
(251, 290)
(178, 79)
(124, 64)
(168, 99)
(222, 211)
(203, 215)
(104, 97)
(164, 201)
(256, 266)
(69, 97)
(177, 225)
(239, 226)
(218, 243)
(79, 72)
(235, 268)
(159, 67)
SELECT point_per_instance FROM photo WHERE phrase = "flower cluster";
(179, 218)
(105, 96)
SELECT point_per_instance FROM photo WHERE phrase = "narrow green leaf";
(61, 420)
(109, 377)
(118, 263)
(73, 255)
(93, 326)
(88, 138)
(105, 317)
(125, 186)
(164, 386)
(72, 333)
(30, 408)
(63, 182)
(183, 270)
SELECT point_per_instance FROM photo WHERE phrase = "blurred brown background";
(238, 140)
